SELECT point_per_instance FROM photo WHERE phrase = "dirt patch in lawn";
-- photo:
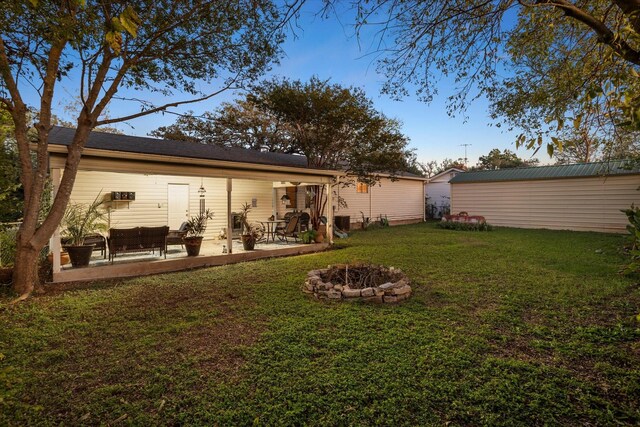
(180, 334)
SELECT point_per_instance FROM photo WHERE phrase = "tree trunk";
(25, 271)
(317, 205)
(33, 237)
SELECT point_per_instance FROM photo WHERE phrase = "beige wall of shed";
(150, 206)
(581, 204)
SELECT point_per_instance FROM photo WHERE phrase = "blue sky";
(328, 49)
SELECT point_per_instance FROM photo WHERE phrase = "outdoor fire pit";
(358, 282)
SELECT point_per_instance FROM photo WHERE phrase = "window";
(361, 187)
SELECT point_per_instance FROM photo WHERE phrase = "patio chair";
(99, 243)
(290, 230)
(175, 236)
(304, 221)
(287, 218)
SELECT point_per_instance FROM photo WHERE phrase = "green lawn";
(504, 327)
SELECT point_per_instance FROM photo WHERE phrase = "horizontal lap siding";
(355, 203)
(244, 191)
(439, 193)
(584, 204)
(151, 205)
(399, 200)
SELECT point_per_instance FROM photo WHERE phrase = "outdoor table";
(270, 228)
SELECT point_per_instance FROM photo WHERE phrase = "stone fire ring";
(389, 292)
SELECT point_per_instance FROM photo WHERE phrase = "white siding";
(400, 200)
(584, 204)
(150, 206)
(439, 193)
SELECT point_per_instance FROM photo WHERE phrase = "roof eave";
(96, 152)
(387, 175)
(445, 172)
(551, 178)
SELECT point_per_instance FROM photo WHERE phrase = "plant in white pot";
(81, 220)
(195, 228)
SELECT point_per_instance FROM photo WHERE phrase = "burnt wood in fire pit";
(358, 282)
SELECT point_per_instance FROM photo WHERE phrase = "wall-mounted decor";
(123, 195)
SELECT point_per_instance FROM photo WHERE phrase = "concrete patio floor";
(208, 248)
(145, 263)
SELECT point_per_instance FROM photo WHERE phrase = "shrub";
(8, 246)
(465, 226)
(308, 236)
(632, 245)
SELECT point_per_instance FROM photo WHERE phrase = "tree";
(450, 163)
(592, 49)
(586, 141)
(238, 124)
(506, 159)
(561, 76)
(10, 190)
(333, 126)
(161, 46)
(432, 167)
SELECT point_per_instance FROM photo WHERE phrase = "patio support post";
(229, 217)
(274, 202)
(54, 242)
(329, 187)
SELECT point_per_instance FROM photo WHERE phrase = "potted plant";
(79, 221)
(251, 233)
(195, 228)
(64, 257)
(320, 233)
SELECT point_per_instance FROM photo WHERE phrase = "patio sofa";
(137, 239)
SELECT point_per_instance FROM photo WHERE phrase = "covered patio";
(166, 182)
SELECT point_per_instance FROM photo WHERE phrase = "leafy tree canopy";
(540, 63)
(432, 168)
(506, 159)
(333, 126)
(10, 189)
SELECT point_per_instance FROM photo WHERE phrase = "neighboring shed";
(438, 192)
(583, 197)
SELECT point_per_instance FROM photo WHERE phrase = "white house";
(147, 182)
(400, 200)
(438, 192)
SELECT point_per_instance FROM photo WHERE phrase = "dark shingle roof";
(581, 170)
(166, 147)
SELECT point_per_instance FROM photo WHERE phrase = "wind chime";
(201, 192)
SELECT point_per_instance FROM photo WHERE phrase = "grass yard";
(504, 328)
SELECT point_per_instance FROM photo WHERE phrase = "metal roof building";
(582, 197)
(580, 170)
